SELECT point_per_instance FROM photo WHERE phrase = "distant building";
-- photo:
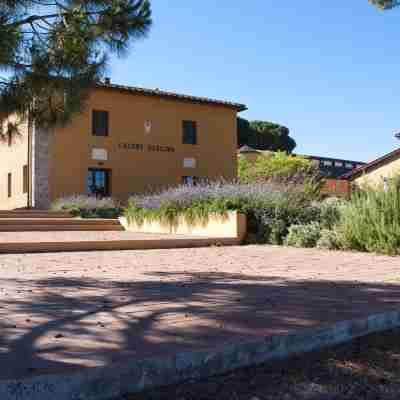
(377, 172)
(332, 168)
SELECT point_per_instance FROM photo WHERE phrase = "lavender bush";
(270, 208)
(88, 207)
(185, 196)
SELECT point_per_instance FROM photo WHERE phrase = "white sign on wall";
(147, 126)
(189, 163)
(99, 154)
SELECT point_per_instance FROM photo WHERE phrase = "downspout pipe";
(31, 129)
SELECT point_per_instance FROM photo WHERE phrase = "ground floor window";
(99, 182)
(9, 185)
(190, 180)
(25, 179)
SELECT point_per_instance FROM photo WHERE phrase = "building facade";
(377, 173)
(14, 170)
(128, 140)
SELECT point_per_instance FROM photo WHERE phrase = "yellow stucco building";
(378, 172)
(128, 140)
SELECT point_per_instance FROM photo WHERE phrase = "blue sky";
(329, 70)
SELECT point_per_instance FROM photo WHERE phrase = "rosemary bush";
(371, 221)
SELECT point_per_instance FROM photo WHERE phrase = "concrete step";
(113, 245)
(58, 224)
(34, 214)
(58, 221)
(61, 227)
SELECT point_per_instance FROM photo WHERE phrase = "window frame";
(9, 185)
(25, 179)
(189, 137)
(107, 181)
(327, 163)
(98, 129)
(185, 180)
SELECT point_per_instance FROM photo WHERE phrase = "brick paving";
(81, 236)
(66, 311)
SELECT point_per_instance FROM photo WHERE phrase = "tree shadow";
(62, 324)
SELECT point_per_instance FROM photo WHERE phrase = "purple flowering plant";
(88, 206)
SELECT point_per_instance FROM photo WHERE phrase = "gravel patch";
(366, 369)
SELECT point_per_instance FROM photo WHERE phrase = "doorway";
(99, 182)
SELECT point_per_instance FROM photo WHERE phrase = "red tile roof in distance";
(394, 155)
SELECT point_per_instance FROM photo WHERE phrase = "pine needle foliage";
(53, 52)
(385, 4)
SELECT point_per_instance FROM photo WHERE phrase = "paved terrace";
(67, 311)
(84, 236)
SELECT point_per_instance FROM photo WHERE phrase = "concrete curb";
(114, 245)
(118, 379)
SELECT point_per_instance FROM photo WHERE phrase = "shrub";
(303, 235)
(278, 166)
(270, 208)
(330, 211)
(245, 170)
(274, 219)
(88, 207)
(329, 240)
(371, 221)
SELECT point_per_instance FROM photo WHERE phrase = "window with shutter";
(100, 122)
(189, 132)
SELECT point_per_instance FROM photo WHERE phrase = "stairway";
(48, 221)
(33, 214)
(60, 232)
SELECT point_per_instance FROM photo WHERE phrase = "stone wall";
(41, 161)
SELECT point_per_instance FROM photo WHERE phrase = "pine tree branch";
(43, 18)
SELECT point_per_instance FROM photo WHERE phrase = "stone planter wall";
(230, 225)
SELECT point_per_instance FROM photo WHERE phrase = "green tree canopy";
(385, 4)
(264, 135)
(280, 167)
(277, 165)
(52, 52)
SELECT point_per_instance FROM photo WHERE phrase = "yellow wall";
(251, 157)
(137, 171)
(232, 224)
(12, 160)
(376, 177)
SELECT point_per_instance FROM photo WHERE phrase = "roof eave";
(373, 165)
(173, 96)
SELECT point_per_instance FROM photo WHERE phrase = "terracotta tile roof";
(173, 96)
(248, 149)
(394, 155)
